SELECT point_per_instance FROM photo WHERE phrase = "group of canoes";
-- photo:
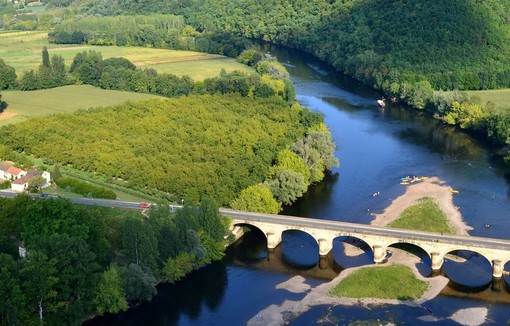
(408, 180)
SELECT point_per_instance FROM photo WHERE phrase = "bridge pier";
(437, 261)
(325, 246)
(273, 240)
(497, 268)
(379, 253)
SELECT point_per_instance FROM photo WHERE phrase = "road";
(309, 222)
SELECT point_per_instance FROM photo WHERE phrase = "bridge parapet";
(496, 251)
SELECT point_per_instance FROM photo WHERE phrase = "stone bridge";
(496, 251)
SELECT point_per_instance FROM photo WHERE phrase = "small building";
(3, 169)
(13, 173)
(21, 184)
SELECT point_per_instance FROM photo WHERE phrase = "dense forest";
(196, 146)
(412, 51)
(83, 260)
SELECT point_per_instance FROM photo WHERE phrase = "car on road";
(43, 195)
(144, 205)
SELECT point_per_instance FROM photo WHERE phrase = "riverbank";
(434, 188)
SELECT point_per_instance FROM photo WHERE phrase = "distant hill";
(454, 44)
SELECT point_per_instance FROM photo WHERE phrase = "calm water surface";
(376, 148)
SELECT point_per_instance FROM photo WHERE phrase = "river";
(376, 147)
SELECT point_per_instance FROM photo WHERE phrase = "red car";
(144, 205)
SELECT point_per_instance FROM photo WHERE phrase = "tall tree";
(10, 291)
(109, 296)
(58, 71)
(39, 283)
(140, 243)
(7, 76)
(257, 198)
(139, 284)
(46, 58)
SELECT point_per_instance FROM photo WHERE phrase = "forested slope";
(454, 44)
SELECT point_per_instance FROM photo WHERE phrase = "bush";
(84, 188)
(5, 185)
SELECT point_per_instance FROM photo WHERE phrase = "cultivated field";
(25, 105)
(22, 50)
(500, 97)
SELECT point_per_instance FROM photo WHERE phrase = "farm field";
(22, 50)
(499, 97)
(29, 104)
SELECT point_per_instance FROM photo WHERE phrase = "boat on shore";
(381, 103)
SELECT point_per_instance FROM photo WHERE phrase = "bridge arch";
(423, 258)
(468, 268)
(351, 251)
(299, 248)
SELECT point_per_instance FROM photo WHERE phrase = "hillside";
(453, 44)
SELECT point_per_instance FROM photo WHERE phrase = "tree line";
(82, 261)
(89, 67)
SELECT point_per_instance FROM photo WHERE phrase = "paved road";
(84, 201)
(310, 222)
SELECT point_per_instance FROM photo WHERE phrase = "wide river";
(376, 147)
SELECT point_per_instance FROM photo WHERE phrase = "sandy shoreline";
(432, 187)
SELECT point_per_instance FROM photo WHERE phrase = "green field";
(423, 216)
(24, 105)
(22, 50)
(500, 97)
(381, 282)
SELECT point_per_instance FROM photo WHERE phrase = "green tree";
(209, 218)
(29, 81)
(287, 186)
(256, 198)
(36, 183)
(139, 284)
(3, 104)
(39, 283)
(289, 160)
(140, 243)
(498, 128)
(7, 76)
(176, 268)
(56, 174)
(13, 300)
(45, 58)
(109, 294)
(58, 71)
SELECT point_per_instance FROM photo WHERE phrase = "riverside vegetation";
(84, 260)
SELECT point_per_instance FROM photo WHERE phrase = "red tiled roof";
(13, 170)
(4, 166)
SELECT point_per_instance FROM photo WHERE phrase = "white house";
(21, 184)
(20, 178)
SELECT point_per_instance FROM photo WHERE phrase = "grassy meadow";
(22, 50)
(381, 282)
(423, 216)
(500, 97)
(29, 104)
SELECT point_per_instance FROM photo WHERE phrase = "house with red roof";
(20, 178)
